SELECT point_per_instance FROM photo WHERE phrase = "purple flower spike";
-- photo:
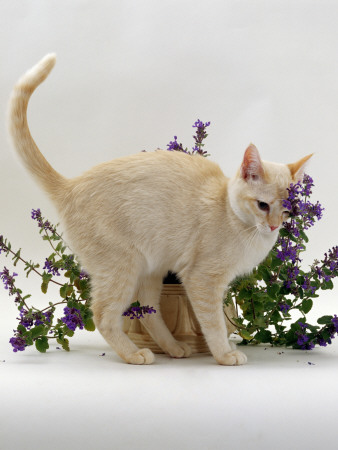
(284, 307)
(51, 268)
(136, 311)
(335, 322)
(18, 343)
(73, 318)
(8, 280)
(36, 215)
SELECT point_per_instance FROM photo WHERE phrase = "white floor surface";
(282, 399)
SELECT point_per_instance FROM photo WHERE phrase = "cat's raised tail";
(23, 142)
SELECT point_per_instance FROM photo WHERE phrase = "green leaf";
(276, 317)
(245, 335)
(64, 343)
(273, 290)
(83, 284)
(58, 247)
(36, 331)
(303, 235)
(307, 305)
(260, 322)
(41, 344)
(16, 257)
(265, 274)
(244, 294)
(325, 320)
(284, 233)
(85, 294)
(327, 285)
(44, 287)
(89, 325)
(64, 290)
(22, 329)
(69, 332)
(275, 263)
(263, 336)
(312, 328)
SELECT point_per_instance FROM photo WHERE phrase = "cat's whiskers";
(249, 242)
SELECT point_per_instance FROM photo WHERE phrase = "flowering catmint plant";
(198, 138)
(39, 326)
(279, 288)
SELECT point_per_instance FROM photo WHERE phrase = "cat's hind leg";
(149, 295)
(111, 296)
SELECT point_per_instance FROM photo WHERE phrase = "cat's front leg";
(206, 296)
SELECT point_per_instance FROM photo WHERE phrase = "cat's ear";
(252, 167)
(297, 169)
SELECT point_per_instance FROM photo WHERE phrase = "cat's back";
(156, 170)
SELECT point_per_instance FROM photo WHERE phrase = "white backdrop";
(132, 74)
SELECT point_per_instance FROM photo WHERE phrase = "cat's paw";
(179, 350)
(233, 358)
(143, 356)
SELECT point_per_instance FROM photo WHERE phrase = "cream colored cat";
(132, 219)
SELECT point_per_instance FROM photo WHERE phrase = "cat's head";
(257, 191)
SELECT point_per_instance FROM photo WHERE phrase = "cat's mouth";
(268, 229)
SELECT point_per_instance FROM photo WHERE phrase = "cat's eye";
(263, 206)
(287, 213)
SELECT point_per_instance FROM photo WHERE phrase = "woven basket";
(179, 318)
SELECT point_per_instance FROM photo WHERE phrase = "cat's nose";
(273, 228)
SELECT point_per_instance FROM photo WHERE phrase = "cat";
(132, 219)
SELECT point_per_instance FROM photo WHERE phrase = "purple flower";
(284, 307)
(29, 318)
(302, 339)
(307, 185)
(200, 124)
(174, 145)
(306, 283)
(51, 268)
(321, 342)
(292, 273)
(36, 215)
(135, 311)
(48, 316)
(83, 274)
(308, 346)
(330, 262)
(298, 205)
(8, 280)
(68, 262)
(198, 138)
(287, 250)
(18, 343)
(335, 323)
(72, 318)
(26, 318)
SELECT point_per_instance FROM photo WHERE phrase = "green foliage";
(39, 326)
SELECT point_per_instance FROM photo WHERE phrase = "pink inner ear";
(252, 168)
